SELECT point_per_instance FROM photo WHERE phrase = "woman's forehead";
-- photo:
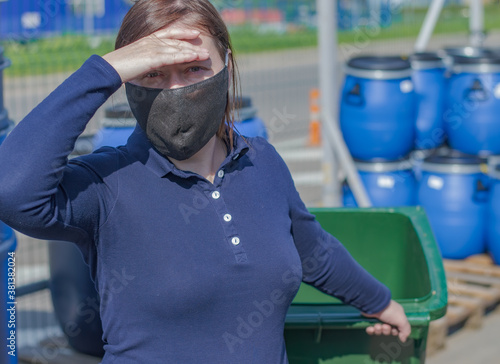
(205, 39)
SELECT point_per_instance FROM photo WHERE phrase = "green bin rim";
(432, 306)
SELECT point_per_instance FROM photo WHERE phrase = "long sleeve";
(37, 185)
(326, 263)
(328, 266)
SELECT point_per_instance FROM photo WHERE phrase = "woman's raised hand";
(162, 48)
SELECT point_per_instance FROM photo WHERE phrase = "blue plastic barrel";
(473, 105)
(74, 296)
(388, 184)
(246, 121)
(449, 53)
(377, 109)
(418, 156)
(116, 127)
(430, 90)
(493, 212)
(454, 193)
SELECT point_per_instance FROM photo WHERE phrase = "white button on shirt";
(215, 195)
(220, 173)
(235, 240)
(227, 217)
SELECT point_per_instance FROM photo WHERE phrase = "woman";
(181, 257)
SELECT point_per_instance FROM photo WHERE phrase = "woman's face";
(185, 74)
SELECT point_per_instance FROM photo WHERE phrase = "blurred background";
(275, 44)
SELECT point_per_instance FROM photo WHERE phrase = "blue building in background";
(26, 19)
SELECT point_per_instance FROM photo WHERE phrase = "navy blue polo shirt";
(188, 271)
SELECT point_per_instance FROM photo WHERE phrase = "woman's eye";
(195, 69)
(152, 75)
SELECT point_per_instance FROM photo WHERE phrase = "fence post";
(4, 116)
(476, 23)
(327, 40)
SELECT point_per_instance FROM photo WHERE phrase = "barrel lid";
(425, 56)
(379, 67)
(453, 162)
(379, 63)
(467, 51)
(383, 166)
(485, 59)
(426, 60)
(483, 64)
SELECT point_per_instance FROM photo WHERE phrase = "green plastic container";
(396, 246)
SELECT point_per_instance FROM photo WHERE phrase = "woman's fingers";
(156, 51)
(176, 33)
(384, 329)
(380, 329)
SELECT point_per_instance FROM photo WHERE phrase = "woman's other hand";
(394, 322)
(172, 45)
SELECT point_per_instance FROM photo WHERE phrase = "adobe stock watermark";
(249, 323)
(91, 307)
(278, 123)
(198, 203)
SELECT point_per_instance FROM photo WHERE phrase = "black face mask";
(179, 122)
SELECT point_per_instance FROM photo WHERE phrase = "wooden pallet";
(473, 291)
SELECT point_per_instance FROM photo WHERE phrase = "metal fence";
(29, 19)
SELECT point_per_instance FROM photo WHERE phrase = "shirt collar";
(141, 148)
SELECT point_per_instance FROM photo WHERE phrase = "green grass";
(50, 55)
(66, 53)
(248, 40)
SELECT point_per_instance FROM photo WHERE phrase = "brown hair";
(147, 16)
